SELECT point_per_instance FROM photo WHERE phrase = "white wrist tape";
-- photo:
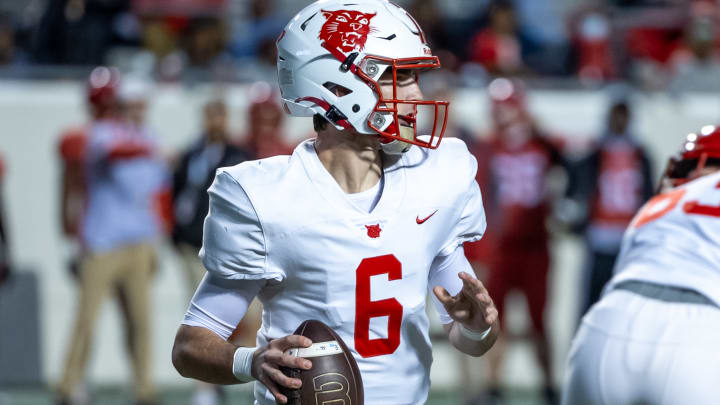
(472, 335)
(242, 364)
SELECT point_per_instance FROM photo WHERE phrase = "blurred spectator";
(101, 103)
(608, 186)
(434, 26)
(264, 24)
(254, 38)
(10, 54)
(161, 39)
(124, 177)
(4, 251)
(592, 34)
(498, 47)
(193, 176)
(73, 199)
(544, 36)
(77, 31)
(184, 8)
(175, 44)
(205, 41)
(265, 136)
(513, 171)
(695, 64)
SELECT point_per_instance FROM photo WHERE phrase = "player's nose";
(410, 92)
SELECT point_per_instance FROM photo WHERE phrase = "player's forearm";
(201, 354)
(472, 347)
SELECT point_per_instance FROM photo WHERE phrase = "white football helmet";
(348, 45)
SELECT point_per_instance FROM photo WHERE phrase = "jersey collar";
(393, 190)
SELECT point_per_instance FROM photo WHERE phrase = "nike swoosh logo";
(420, 221)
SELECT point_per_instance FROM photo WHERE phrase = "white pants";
(633, 350)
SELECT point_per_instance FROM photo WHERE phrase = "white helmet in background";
(134, 88)
(330, 57)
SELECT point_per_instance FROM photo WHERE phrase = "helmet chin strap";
(698, 169)
(397, 147)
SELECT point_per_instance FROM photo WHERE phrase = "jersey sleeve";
(219, 305)
(444, 272)
(471, 223)
(99, 138)
(110, 141)
(233, 239)
(72, 146)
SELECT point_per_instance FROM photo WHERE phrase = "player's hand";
(267, 361)
(472, 306)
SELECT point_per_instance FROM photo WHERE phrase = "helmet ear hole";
(337, 89)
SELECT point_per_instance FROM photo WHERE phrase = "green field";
(235, 396)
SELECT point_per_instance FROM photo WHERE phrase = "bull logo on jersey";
(346, 30)
(373, 231)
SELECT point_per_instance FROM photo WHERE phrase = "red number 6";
(366, 309)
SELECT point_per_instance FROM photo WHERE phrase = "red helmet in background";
(698, 151)
(508, 102)
(102, 87)
(265, 136)
(264, 113)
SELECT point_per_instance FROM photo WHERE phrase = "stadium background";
(39, 100)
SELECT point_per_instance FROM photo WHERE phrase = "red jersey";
(513, 181)
(620, 184)
(72, 145)
(495, 51)
(71, 149)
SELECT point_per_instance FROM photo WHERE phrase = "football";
(334, 377)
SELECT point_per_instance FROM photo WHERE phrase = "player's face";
(407, 89)
(215, 120)
(135, 111)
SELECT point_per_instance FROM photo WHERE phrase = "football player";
(516, 163)
(652, 338)
(123, 174)
(354, 228)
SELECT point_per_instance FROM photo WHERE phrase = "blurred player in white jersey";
(354, 228)
(653, 337)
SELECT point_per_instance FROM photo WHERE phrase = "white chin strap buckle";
(395, 147)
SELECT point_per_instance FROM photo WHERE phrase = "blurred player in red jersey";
(497, 48)
(514, 165)
(101, 102)
(112, 176)
(265, 118)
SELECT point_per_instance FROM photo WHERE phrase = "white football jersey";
(675, 240)
(285, 219)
